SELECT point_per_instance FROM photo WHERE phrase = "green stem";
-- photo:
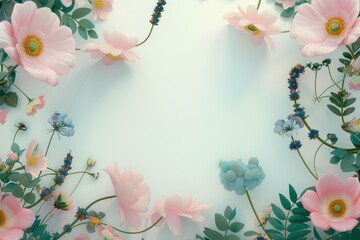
(351, 52)
(137, 232)
(332, 79)
(256, 215)
(15, 135)
(43, 220)
(286, 31)
(79, 181)
(303, 160)
(316, 73)
(147, 37)
(47, 149)
(287, 217)
(317, 150)
(29, 99)
(258, 5)
(329, 88)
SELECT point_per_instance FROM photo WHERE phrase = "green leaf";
(15, 148)
(72, 25)
(92, 34)
(213, 235)
(80, 12)
(229, 213)
(29, 198)
(276, 223)
(294, 227)
(292, 194)
(13, 188)
(298, 235)
(356, 45)
(3, 75)
(11, 99)
(348, 111)
(347, 163)
(316, 234)
(298, 219)
(14, 176)
(86, 23)
(274, 234)
(355, 139)
(335, 160)
(287, 13)
(2, 100)
(300, 211)
(347, 55)
(82, 32)
(344, 61)
(357, 159)
(278, 212)
(236, 227)
(334, 110)
(349, 101)
(336, 96)
(330, 231)
(336, 102)
(221, 222)
(284, 202)
(250, 233)
(25, 179)
(232, 237)
(339, 152)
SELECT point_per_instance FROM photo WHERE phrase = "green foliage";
(288, 13)
(37, 231)
(346, 159)
(341, 104)
(77, 23)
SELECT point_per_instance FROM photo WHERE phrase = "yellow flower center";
(335, 26)
(115, 58)
(33, 46)
(2, 218)
(337, 208)
(32, 161)
(94, 221)
(252, 29)
(99, 4)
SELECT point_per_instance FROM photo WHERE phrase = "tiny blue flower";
(313, 134)
(62, 124)
(289, 127)
(295, 145)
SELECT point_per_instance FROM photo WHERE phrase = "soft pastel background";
(201, 93)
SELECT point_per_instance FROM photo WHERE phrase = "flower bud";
(91, 162)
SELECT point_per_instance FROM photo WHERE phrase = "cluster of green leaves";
(224, 223)
(290, 221)
(76, 22)
(341, 104)
(6, 8)
(36, 232)
(348, 162)
(289, 12)
(347, 68)
(7, 78)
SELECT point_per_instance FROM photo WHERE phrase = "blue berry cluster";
(62, 124)
(293, 85)
(295, 145)
(157, 12)
(240, 177)
(45, 193)
(62, 172)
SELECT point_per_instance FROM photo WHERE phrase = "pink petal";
(320, 220)
(343, 225)
(311, 201)
(328, 186)
(174, 224)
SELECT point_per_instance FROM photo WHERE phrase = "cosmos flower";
(102, 8)
(34, 105)
(35, 160)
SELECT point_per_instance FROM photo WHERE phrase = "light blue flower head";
(62, 124)
(240, 177)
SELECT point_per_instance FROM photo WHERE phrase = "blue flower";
(299, 111)
(67, 228)
(288, 127)
(295, 145)
(62, 124)
(332, 137)
(62, 172)
(157, 12)
(313, 134)
(240, 177)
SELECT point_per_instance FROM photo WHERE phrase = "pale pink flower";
(108, 233)
(116, 47)
(102, 8)
(67, 3)
(35, 160)
(324, 25)
(14, 218)
(62, 200)
(36, 41)
(175, 207)
(265, 215)
(82, 237)
(354, 125)
(260, 25)
(12, 156)
(287, 3)
(3, 115)
(34, 105)
(335, 204)
(133, 195)
(354, 83)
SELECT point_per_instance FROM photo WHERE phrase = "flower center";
(99, 4)
(2, 218)
(337, 208)
(33, 46)
(115, 58)
(32, 161)
(335, 26)
(94, 221)
(252, 29)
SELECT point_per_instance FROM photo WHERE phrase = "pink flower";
(102, 8)
(3, 115)
(14, 218)
(117, 47)
(108, 233)
(354, 125)
(324, 25)
(287, 3)
(258, 24)
(132, 195)
(12, 156)
(34, 105)
(67, 3)
(35, 160)
(82, 237)
(36, 41)
(335, 204)
(62, 200)
(175, 207)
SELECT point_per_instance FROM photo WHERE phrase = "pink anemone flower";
(323, 26)
(35, 160)
(175, 207)
(335, 204)
(259, 25)
(108, 233)
(3, 115)
(102, 8)
(34, 105)
(287, 3)
(117, 47)
(133, 195)
(13, 218)
(37, 42)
